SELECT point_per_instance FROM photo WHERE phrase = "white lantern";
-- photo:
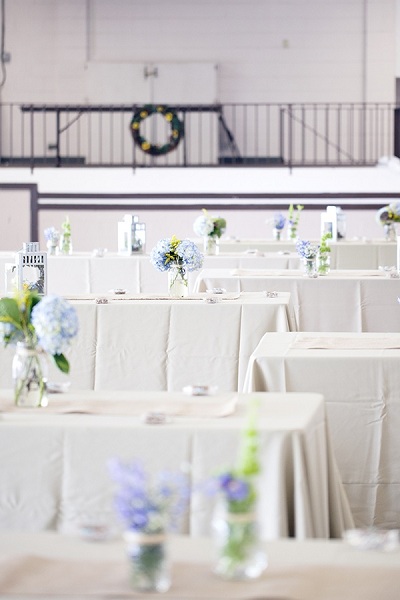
(131, 235)
(31, 268)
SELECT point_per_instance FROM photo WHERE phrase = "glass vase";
(310, 267)
(65, 243)
(292, 233)
(237, 544)
(324, 263)
(277, 234)
(52, 248)
(178, 284)
(210, 245)
(29, 373)
(148, 559)
(390, 233)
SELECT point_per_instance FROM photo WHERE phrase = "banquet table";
(359, 376)
(347, 300)
(150, 342)
(48, 564)
(54, 460)
(85, 272)
(345, 254)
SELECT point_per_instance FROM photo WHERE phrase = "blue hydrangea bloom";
(186, 252)
(394, 210)
(55, 322)
(382, 215)
(203, 225)
(10, 334)
(190, 255)
(52, 234)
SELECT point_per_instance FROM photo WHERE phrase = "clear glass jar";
(178, 284)
(277, 234)
(239, 553)
(324, 263)
(390, 232)
(29, 373)
(149, 565)
(52, 248)
(65, 243)
(210, 245)
(292, 233)
(310, 267)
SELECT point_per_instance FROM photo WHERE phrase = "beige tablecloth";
(359, 376)
(53, 466)
(341, 301)
(52, 566)
(166, 344)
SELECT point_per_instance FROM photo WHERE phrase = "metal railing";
(315, 134)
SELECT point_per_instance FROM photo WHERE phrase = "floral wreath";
(176, 129)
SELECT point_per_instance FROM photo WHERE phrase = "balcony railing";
(329, 134)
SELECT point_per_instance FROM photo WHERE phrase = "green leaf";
(61, 362)
(9, 311)
(32, 300)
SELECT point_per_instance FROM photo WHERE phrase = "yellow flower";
(135, 126)
(145, 145)
(174, 133)
(160, 109)
(168, 116)
(144, 114)
(175, 242)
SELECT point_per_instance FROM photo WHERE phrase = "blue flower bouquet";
(37, 327)
(178, 257)
(210, 229)
(149, 508)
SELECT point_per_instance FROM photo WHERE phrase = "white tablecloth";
(346, 254)
(341, 301)
(83, 273)
(52, 565)
(53, 471)
(165, 344)
(359, 377)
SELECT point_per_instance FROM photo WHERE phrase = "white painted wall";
(65, 51)
(95, 228)
(266, 50)
(98, 229)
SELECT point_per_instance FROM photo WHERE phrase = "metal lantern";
(131, 235)
(31, 267)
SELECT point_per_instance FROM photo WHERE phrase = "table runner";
(201, 406)
(290, 273)
(324, 342)
(122, 297)
(258, 273)
(43, 577)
